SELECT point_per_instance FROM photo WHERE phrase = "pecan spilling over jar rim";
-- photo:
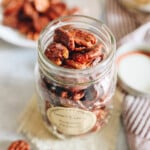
(83, 48)
(19, 145)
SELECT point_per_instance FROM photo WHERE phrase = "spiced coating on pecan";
(83, 39)
(19, 145)
(41, 6)
(84, 50)
(76, 65)
(89, 54)
(62, 35)
(74, 48)
(30, 16)
(56, 52)
(74, 39)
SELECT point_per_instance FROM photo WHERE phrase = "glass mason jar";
(67, 116)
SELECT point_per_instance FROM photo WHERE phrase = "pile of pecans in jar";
(29, 17)
(74, 48)
(77, 49)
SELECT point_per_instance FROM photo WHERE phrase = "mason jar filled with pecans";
(75, 75)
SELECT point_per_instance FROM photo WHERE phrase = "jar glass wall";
(76, 101)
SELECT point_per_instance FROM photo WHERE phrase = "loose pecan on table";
(19, 145)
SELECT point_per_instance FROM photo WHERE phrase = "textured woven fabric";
(31, 125)
(121, 21)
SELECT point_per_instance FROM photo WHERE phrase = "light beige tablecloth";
(31, 125)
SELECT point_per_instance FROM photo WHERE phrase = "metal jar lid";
(133, 63)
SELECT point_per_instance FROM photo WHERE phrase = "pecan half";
(13, 6)
(74, 39)
(83, 39)
(59, 9)
(11, 20)
(78, 95)
(63, 35)
(41, 5)
(95, 51)
(19, 145)
(4, 3)
(40, 22)
(89, 55)
(76, 65)
(56, 52)
(29, 10)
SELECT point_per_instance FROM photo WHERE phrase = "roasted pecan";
(76, 65)
(78, 95)
(4, 3)
(83, 39)
(91, 56)
(35, 36)
(74, 39)
(13, 6)
(29, 10)
(80, 57)
(19, 145)
(54, 1)
(64, 94)
(63, 35)
(24, 27)
(41, 5)
(32, 35)
(56, 10)
(59, 8)
(56, 61)
(40, 22)
(56, 52)
(11, 20)
(95, 51)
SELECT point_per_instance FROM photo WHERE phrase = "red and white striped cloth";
(136, 109)
(136, 115)
(127, 26)
(121, 21)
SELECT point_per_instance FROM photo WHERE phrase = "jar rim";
(50, 64)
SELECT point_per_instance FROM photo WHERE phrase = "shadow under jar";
(75, 75)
